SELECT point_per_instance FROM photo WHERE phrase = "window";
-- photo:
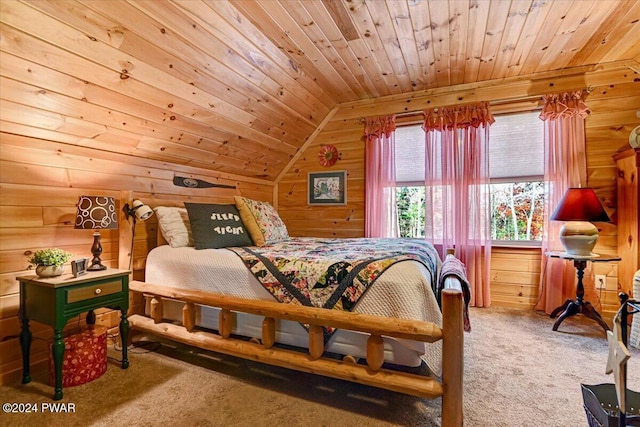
(410, 195)
(516, 164)
(410, 201)
(516, 169)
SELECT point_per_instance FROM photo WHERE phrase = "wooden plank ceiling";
(239, 86)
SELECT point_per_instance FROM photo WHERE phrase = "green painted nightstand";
(53, 301)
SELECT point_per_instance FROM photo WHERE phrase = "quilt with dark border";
(331, 273)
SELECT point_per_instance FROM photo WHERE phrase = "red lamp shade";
(580, 204)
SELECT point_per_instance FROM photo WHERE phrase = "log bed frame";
(263, 350)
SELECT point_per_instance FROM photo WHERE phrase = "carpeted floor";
(518, 372)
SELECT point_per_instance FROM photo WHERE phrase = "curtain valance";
(563, 105)
(376, 127)
(458, 116)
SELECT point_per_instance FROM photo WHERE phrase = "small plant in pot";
(49, 262)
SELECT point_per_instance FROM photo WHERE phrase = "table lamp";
(96, 213)
(579, 207)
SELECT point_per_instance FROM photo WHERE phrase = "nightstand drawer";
(94, 291)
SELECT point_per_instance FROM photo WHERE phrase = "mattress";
(403, 291)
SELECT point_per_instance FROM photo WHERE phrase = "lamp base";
(96, 267)
(579, 237)
(96, 251)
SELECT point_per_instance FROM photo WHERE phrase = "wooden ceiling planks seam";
(359, 54)
(440, 41)
(97, 119)
(241, 87)
(537, 18)
(403, 27)
(69, 38)
(300, 47)
(622, 34)
(250, 137)
(380, 37)
(570, 38)
(246, 118)
(200, 69)
(458, 27)
(421, 23)
(288, 79)
(496, 21)
(197, 65)
(513, 28)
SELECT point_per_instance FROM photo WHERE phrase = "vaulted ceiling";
(239, 86)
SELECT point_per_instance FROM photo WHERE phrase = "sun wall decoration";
(328, 155)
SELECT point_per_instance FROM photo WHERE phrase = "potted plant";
(49, 262)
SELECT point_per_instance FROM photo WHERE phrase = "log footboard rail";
(372, 374)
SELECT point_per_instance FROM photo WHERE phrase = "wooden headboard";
(162, 193)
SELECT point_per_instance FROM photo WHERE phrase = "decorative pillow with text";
(217, 226)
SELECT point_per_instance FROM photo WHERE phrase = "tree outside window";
(517, 211)
(410, 202)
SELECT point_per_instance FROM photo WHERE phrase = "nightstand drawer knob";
(98, 291)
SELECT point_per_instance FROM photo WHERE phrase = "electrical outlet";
(601, 281)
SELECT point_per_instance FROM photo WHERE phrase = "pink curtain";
(457, 189)
(565, 166)
(380, 170)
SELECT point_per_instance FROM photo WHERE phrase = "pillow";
(216, 226)
(262, 221)
(174, 226)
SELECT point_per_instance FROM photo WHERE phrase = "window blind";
(516, 146)
(516, 149)
(410, 155)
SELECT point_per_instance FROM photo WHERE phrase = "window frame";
(501, 180)
(505, 180)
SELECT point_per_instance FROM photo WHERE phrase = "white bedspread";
(402, 291)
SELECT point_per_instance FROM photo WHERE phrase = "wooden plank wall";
(614, 100)
(40, 182)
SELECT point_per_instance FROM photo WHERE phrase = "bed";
(225, 299)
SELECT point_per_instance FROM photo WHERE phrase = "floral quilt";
(331, 273)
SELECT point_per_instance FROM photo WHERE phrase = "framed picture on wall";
(327, 188)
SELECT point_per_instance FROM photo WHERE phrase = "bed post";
(452, 358)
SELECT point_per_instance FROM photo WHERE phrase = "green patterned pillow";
(262, 221)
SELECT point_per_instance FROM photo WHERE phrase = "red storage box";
(85, 357)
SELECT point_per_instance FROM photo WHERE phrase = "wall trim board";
(510, 89)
